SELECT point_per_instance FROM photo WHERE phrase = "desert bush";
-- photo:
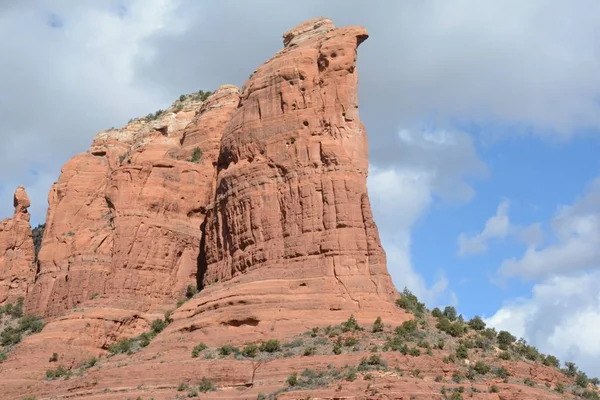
(462, 352)
(505, 339)
(250, 350)
(378, 325)
(205, 385)
(476, 323)
(501, 372)
(59, 372)
(198, 349)
(196, 155)
(121, 346)
(450, 313)
(351, 325)
(482, 367)
(411, 303)
(582, 380)
(228, 349)
(270, 346)
(551, 361)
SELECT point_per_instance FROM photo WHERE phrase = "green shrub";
(560, 388)
(378, 325)
(196, 155)
(406, 328)
(351, 325)
(411, 303)
(415, 352)
(350, 341)
(10, 336)
(250, 350)
(505, 355)
(228, 349)
(462, 352)
(482, 368)
(59, 372)
(182, 386)
(489, 333)
(505, 339)
(350, 375)
(582, 380)
(158, 325)
(456, 396)
(3, 356)
(122, 346)
(441, 343)
(90, 363)
(197, 349)
(205, 385)
(551, 361)
(270, 346)
(292, 380)
(437, 313)
(571, 369)
(476, 323)
(450, 313)
(529, 382)
(457, 377)
(494, 389)
(337, 347)
(501, 372)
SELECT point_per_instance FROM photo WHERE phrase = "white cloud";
(68, 71)
(428, 163)
(576, 245)
(562, 317)
(497, 226)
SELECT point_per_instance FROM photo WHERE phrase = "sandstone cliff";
(17, 268)
(290, 237)
(123, 224)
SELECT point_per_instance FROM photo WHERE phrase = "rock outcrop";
(290, 234)
(124, 218)
(17, 268)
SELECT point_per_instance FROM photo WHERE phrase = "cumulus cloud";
(561, 317)
(497, 226)
(428, 164)
(68, 71)
(576, 245)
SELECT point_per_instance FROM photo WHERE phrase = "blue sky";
(483, 122)
(535, 176)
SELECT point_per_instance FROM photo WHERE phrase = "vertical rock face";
(16, 251)
(291, 225)
(124, 218)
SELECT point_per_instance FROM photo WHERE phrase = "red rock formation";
(290, 233)
(17, 255)
(124, 218)
(287, 243)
